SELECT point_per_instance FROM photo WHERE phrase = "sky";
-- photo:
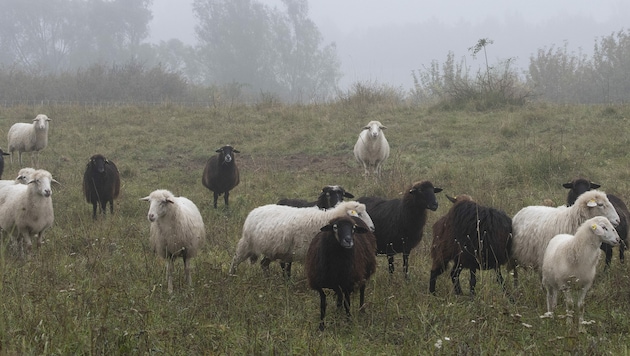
(383, 41)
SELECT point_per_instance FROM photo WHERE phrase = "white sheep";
(534, 226)
(570, 260)
(177, 230)
(281, 232)
(25, 137)
(372, 149)
(26, 210)
(23, 177)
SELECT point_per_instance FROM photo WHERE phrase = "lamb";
(341, 257)
(25, 137)
(26, 210)
(372, 149)
(474, 237)
(570, 260)
(580, 185)
(177, 230)
(534, 226)
(221, 173)
(101, 183)
(330, 196)
(284, 233)
(2, 154)
(400, 222)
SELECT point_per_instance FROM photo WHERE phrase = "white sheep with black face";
(570, 260)
(26, 210)
(372, 148)
(32, 137)
(177, 230)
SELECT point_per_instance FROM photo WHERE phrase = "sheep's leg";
(568, 299)
(457, 269)
(287, 270)
(362, 298)
(552, 300)
(111, 207)
(226, 197)
(169, 275)
(473, 281)
(500, 279)
(187, 271)
(346, 302)
(406, 264)
(608, 252)
(622, 247)
(435, 273)
(390, 257)
(94, 207)
(216, 198)
(264, 264)
(339, 295)
(322, 308)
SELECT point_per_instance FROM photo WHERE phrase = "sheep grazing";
(2, 154)
(400, 222)
(221, 173)
(341, 257)
(580, 185)
(330, 196)
(534, 226)
(177, 230)
(26, 210)
(280, 232)
(570, 260)
(101, 183)
(474, 237)
(372, 149)
(25, 137)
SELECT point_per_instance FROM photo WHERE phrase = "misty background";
(301, 51)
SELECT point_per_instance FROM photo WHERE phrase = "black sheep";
(399, 223)
(474, 237)
(580, 185)
(221, 173)
(2, 153)
(101, 183)
(341, 257)
(330, 196)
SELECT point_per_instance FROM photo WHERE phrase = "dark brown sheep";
(330, 196)
(580, 185)
(221, 173)
(474, 237)
(101, 183)
(399, 223)
(341, 257)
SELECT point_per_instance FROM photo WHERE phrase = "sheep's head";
(375, 128)
(595, 203)
(41, 180)
(332, 195)
(24, 175)
(160, 201)
(600, 226)
(577, 187)
(226, 154)
(357, 210)
(423, 195)
(344, 228)
(98, 162)
(461, 197)
(41, 122)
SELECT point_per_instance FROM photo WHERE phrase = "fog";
(383, 41)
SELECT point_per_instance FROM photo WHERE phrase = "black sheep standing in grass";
(221, 173)
(101, 183)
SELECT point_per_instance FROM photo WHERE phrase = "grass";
(95, 287)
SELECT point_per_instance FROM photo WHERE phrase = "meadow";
(95, 287)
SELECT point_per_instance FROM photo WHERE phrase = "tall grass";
(95, 287)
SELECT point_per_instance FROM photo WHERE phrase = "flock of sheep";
(336, 239)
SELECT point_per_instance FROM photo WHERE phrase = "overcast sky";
(383, 41)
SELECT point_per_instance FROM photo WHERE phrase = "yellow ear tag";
(594, 226)
(353, 213)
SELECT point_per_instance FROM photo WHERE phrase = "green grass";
(95, 287)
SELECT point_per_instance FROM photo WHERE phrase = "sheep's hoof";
(547, 315)
(321, 326)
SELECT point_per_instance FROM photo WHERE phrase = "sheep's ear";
(452, 199)
(598, 230)
(595, 185)
(5, 154)
(55, 181)
(360, 229)
(348, 195)
(568, 185)
(145, 198)
(383, 127)
(366, 128)
(218, 151)
(326, 228)
(236, 151)
(437, 190)
(353, 213)
(170, 201)
(591, 203)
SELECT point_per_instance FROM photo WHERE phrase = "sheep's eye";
(600, 204)
(335, 227)
(605, 228)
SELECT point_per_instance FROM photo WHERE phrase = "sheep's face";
(41, 122)
(602, 227)
(596, 204)
(578, 187)
(158, 208)
(359, 211)
(226, 154)
(332, 195)
(344, 230)
(424, 195)
(374, 128)
(24, 175)
(98, 162)
(42, 184)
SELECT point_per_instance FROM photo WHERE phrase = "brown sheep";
(221, 173)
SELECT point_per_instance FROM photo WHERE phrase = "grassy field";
(94, 287)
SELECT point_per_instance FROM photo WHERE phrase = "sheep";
(580, 185)
(474, 237)
(400, 222)
(534, 226)
(569, 263)
(177, 230)
(26, 210)
(25, 137)
(280, 232)
(23, 177)
(221, 173)
(101, 183)
(2, 154)
(372, 149)
(330, 196)
(341, 257)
